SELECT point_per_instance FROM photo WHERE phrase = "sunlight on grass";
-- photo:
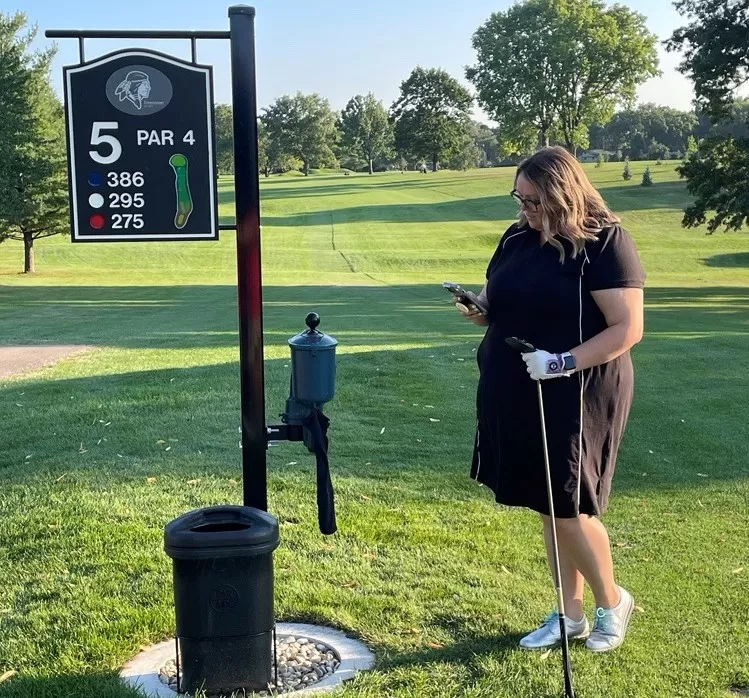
(100, 451)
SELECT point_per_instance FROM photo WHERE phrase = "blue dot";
(95, 179)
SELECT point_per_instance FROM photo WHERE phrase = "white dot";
(96, 200)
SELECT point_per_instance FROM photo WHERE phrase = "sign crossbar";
(134, 34)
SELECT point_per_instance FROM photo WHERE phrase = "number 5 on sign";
(97, 138)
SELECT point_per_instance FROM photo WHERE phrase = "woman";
(566, 278)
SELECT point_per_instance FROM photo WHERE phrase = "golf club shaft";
(569, 691)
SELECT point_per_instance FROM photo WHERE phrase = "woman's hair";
(571, 207)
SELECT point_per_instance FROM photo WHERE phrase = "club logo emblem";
(135, 88)
(139, 90)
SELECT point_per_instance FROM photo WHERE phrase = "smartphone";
(467, 299)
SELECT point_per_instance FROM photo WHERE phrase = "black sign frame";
(77, 220)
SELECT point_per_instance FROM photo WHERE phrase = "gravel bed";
(302, 662)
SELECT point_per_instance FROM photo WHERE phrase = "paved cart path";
(16, 360)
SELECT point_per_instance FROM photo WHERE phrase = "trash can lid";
(221, 531)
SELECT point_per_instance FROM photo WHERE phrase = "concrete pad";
(142, 672)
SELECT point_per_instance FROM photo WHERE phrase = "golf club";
(569, 692)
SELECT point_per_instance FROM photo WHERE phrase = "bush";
(627, 174)
(601, 160)
(647, 178)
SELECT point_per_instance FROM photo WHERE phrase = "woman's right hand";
(468, 312)
(473, 315)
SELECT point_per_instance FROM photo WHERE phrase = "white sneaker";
(549, 635)
(611, 624)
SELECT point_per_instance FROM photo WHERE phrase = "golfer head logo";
(139, 90)
(134, 88)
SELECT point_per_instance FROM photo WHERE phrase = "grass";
(100, 451)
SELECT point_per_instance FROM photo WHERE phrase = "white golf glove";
(542, 365)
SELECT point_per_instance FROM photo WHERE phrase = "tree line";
(303, 132)
(430, 124)
(546, 71)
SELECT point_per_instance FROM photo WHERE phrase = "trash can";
(223, 597)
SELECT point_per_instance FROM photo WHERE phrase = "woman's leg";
(585, 543)
(573, 584)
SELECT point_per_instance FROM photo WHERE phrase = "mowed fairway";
(99, 452)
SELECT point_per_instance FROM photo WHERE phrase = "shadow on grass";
(206, 316)
(116, 427)
(398, 345)
(735, 259)
(467, 646)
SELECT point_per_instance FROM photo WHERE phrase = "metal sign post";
(247, 193)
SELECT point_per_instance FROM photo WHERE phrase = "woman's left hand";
(542, 365)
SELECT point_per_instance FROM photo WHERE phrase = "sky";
(337, 48)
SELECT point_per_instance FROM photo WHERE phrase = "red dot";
(97, 221)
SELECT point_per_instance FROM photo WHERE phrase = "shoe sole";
(630, 610)
(582, 636)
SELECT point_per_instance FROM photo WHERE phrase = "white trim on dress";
(582, 383)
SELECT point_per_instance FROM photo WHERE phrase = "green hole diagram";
(179, 164)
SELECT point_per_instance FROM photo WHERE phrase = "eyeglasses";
(528, 204)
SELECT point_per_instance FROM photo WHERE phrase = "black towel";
(317, 424)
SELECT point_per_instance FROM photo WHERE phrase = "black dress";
(535, 297)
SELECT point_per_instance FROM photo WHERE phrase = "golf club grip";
(520, 345)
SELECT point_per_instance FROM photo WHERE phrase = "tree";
(560, 63)
(715, 46)
(224, 138)
(302, 126)
(736, 125)
(432, 116)
(648, 130)
(514, 70)
(639, 148)
(691, 146)
(669, 127)
(263, 149)
(601, 160)
(617, 54)
(647, 178)
(467, 155)
(271, 155)
(627, 174)
(34, 200)
(366, 129)
(486, 143)
(518, 143)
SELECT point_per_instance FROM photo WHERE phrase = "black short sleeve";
(497, 253)
(613, 261)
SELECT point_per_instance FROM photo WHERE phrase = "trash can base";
(221, 665)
